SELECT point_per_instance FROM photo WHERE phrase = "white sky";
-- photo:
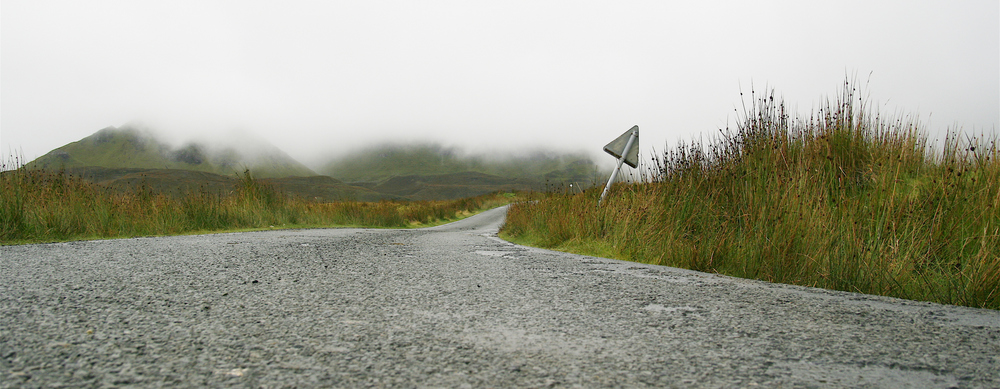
(317, 78)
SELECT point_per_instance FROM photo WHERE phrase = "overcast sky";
(318, 78)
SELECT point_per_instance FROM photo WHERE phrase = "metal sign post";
(626, 149)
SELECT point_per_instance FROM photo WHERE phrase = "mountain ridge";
(129, 146)
(133, 158)
(380, 163)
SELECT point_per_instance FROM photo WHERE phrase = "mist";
(319, 81)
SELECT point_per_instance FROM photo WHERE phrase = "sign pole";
(614, 174)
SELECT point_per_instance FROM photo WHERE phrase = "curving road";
(450, 306)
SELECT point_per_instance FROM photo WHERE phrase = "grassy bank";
(45, 206)
(844, 199)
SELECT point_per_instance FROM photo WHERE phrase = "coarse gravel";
(450, 306)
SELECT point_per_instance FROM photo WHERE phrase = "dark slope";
(451, 186)
(379, 164)
(179, 183)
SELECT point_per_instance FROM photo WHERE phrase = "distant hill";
(451, 186)
(327, 189)
(178, 183)
(382, 163)
(129, 147)
(132, 158)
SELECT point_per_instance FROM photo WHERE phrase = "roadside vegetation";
(844, 199)
(46, 206)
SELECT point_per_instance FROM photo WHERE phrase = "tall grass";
(43, 206)
(843, 199)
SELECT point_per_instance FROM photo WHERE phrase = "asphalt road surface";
(450, 306)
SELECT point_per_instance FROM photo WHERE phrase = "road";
(449, 306)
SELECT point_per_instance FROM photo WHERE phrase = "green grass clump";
(844, 199)
(46, 206)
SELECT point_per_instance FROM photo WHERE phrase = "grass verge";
(844, 199)
(44, 206)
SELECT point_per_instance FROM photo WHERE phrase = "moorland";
(845, 198)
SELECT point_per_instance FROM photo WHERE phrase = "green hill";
(129, 147)
(178, 183)
(381, 163)
(132, 158)
(327, 189)
(450, 186)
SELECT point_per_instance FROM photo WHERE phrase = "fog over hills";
(135, 147)
(133, 156)
(382, 162)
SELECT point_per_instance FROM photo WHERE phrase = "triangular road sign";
(617, 147)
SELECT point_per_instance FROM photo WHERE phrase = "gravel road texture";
(449, 306)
